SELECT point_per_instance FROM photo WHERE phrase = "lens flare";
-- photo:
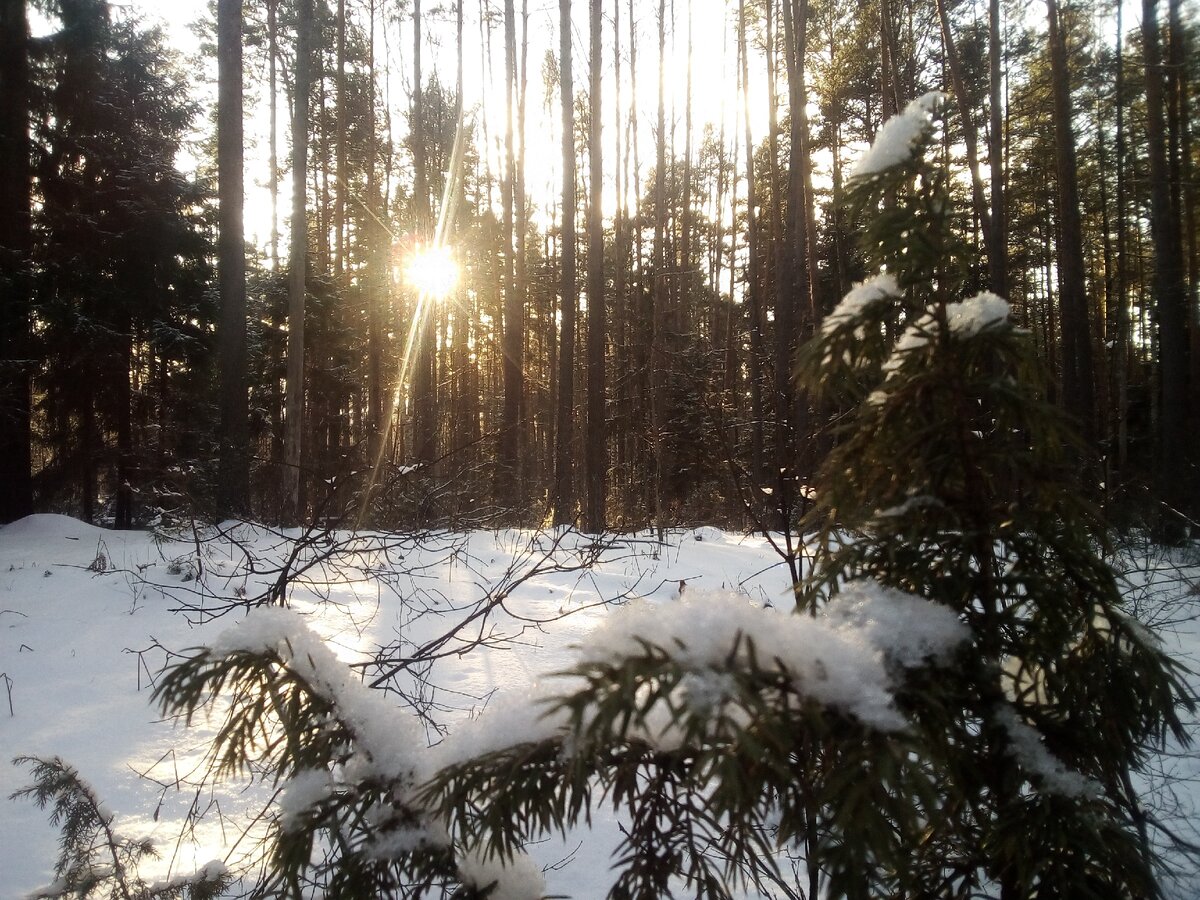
(432, 272)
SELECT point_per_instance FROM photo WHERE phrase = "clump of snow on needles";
(511, 718)
(387, 739)
(963, 320)
(515, 879)
(907, 629)
(859, 298)
(1025, 744)
(970, 317)
(838, 658)
(898, 138)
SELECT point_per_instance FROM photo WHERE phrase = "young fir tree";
(95, 861)
(954, 709)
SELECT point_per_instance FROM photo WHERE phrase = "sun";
(432, 271)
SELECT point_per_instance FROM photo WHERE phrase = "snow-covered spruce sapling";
(95, 861)
(951, 481)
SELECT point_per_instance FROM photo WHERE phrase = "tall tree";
(563, 497)
(16, 182)
(596, 447)
(298, 261)
(234, 483)
(512, 337)
(997, 249)
(424, 377)
(1172, 475)
(1078, 372)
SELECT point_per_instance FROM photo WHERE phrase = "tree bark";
(1172, 473)
(424, 376)
(297, 262)
(1078, 374)
(564, 494)
(16, 241)
(234, 483)
(508, 489)
(596, 446)
(997, 250)
(970, 136)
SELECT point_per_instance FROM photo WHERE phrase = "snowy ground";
(88, 617)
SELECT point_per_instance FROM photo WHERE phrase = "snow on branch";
(386, 736)
(840, 658)
(859, 299)
(900, 136)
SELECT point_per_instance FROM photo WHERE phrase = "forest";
(749, 442)
(578, 298)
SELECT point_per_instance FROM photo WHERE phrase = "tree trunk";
(273, 115)
(424, 376)
(234, 483)
(564, 494)
(997, 250)
(339, 87)
(297, 261)
(16, 240)
(596, 446)
(1172, 473)
(1077, 367)
(753, 279)
(970, 137)
(508, 489)
(659, 315)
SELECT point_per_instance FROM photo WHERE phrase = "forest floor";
(88, 618)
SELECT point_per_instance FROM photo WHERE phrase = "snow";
(970, 317)
(899, 137)
(908, 630)
(388, 737)
(1053, 776)
(964, 320)
(837, 658)
(80, 648)
(859, 299)
(515, 879)
(301, 793)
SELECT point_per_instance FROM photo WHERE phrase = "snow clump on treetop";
(898, 138)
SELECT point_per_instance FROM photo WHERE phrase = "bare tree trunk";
(273, 116)
(753, 275)
(1077, 367)
(297, 261)
(997, 250)
(512, 341)
(424, 375)
(339, 213)
(1172, 473)
(564, 483)
(234, 483)
(1122, 312)
(596, 446)
(16, 242)
(660, 315)
(376, 276)
(970, 137)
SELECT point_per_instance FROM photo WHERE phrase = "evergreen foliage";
(96, 862)
(951, 483)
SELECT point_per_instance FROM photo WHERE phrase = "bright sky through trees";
(714, 86)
